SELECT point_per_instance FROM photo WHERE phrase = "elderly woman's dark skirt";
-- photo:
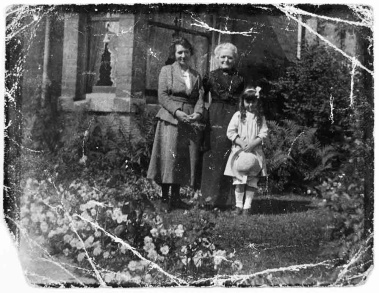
(175, 155)
(216, 188)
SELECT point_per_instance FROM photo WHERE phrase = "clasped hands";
(185, 118)
(245, 146)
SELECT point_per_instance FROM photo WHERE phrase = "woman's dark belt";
(184, 100)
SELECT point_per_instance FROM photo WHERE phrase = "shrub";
(316, 93)
(295, 157)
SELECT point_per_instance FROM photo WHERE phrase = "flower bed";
(117, 236)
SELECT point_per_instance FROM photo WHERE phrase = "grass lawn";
(282, 231)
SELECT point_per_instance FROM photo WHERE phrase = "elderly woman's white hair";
(229, 46)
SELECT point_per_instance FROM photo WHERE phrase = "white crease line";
(290, 8)
(242, 278)
(98, 276)
(324, 39)
(354, 65)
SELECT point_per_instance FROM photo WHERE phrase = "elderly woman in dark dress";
(225, 85)
(175, 155)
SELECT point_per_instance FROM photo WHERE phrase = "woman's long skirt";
(175, 154)
(216, 188)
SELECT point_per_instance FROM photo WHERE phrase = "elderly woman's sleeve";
(264, 129)
(199, 107)
(232, 131)
(164, 92)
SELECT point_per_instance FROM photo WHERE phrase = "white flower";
(218, 256)
(147, 240)
(97, 233)
(165, 249)
(197, 259)
(152, 254)
(66, 251)
(51, 233)
(106, 254)
(163, 232)
(123, 249)
(126, 276)
(89, 241)
(81, 256)
(185, 260)
(109, 277)
(140, 265)
(148, 278)
(97, 250)
(184, 249)
(79, 245)
(132, 265)
(136, 279)
(154, 232)
(149, 246)
(237, 265)
(44, 227)
(158, 220)
(179, 230)
(83, 160)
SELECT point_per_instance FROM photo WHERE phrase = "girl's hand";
(194, 117)
(243, 144)
(249, 147)
(181, 116)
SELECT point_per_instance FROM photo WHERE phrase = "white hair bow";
(257, 89)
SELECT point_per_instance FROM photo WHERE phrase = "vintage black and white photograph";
(184, 145)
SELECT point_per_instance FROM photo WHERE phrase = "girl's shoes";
(246, 212)
(237, 211)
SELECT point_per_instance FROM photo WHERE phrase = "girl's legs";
(250, 191)
(239, 192)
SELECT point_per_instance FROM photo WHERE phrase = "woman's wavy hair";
(179, 41)
(251, 94)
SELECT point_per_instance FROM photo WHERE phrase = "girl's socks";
(248, 199)
(239, 199)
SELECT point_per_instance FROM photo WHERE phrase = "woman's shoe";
(179, 204)
(164, 206)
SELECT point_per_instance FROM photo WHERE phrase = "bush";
(295, 157)
(316, 94)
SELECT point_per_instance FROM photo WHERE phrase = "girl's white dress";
(247, 130)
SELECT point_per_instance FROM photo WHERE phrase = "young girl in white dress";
(246, 162)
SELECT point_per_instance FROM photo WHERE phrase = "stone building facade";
(106, 60)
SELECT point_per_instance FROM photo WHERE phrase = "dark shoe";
(164, 207)
(179, 204)
(246, 212)
(237, 211)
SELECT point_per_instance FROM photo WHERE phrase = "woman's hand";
(194, 117)
(181, 116)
